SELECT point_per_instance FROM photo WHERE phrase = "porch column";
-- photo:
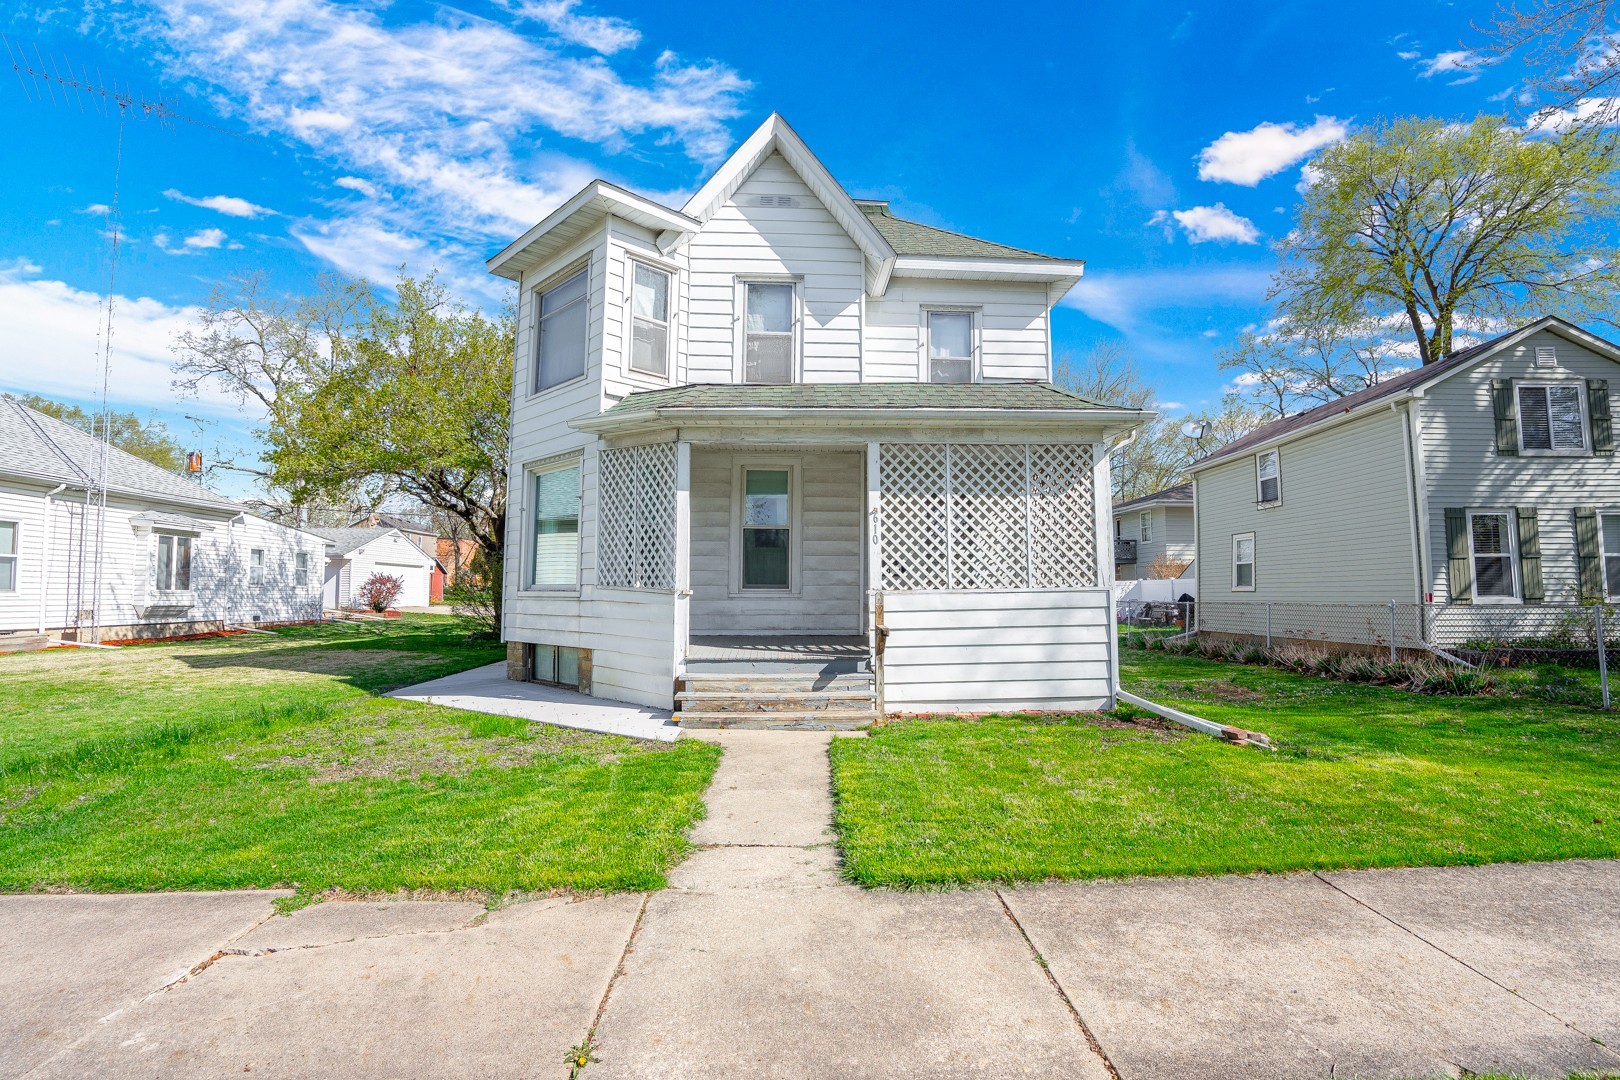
(683, 554)
(871, 543)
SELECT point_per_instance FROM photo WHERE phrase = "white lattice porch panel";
(915, 526)
(1062, 517)
(987, 516)
(635, 546)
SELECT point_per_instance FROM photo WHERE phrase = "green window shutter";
(1588, 554)
(1597, 398)
(1507, 418)
(1530, 556)
(1459, 574)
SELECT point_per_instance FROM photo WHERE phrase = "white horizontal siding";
(1000, 651)
(397, 557)
(1012, 318)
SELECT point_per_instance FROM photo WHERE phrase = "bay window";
(562, 324)
(649, 319)
(173, 563)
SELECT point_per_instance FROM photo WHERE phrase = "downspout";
(45, 556)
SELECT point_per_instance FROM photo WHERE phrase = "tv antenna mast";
(42, 78)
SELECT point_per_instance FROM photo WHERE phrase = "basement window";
(557, 665)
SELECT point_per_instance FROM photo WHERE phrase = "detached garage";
(353, 555)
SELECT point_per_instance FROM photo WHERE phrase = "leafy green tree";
(414, 401)
(1436, 224)
(147, 439)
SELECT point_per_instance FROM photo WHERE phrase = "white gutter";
(941, 416)
(45, 556)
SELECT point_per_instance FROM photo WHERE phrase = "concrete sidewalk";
(760, 961)
(487, 689)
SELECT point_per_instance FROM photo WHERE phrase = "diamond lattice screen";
(635, 546)
(987, 516)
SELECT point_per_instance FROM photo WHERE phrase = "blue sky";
(1162, 145)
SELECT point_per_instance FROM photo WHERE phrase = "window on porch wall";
(963, 516)
(766, 530)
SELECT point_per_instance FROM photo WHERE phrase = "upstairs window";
(950, 347)
(556, 527)
(173, 563)
(301, 569)
(1268, 478)
(8, 556)
(256, 566)
(1145, 527)
(561, 331)
(649, 320)
(1552, 417)
(1490, 546)
(768, 337)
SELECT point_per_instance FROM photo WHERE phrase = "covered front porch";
(947, 555)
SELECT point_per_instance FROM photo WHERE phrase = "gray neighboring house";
(1151, 528)
(1485, 483)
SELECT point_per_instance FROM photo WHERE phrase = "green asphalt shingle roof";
(1022, 395)
(915, 238)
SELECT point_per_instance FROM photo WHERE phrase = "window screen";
(556, 528)
(1550, 417)
(768, 333)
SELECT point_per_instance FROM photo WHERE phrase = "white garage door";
(416, 583)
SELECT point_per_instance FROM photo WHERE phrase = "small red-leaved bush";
(380, 591)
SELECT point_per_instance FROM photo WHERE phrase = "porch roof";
(859, 404)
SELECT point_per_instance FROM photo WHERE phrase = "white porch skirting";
(998, 651)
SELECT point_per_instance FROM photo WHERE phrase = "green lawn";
(1365, 776)
(269, 762)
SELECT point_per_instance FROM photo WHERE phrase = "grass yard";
(270, 762)
(1365, 776)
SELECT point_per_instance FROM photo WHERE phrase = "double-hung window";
(1609, 533)
(555, 495)
(769, 341)
(1243, 562)
(1552, 417)
(173, 563)
(1490, 549)
(301, 569)
(766, 529)
(1268, 478)
(256, 566)
(649, 318)
(1144, 528)
(8, 556)
(561, 325)
(950, 346)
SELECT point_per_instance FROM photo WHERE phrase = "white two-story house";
(783, 426)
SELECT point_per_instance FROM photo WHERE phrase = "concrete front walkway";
(487, 689)
(760, 961)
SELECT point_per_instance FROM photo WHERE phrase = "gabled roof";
(915, 238)
(1406, 382)
(1179, 495)
(44, 449)
(343, 541)
(392, 521)
(578, 216)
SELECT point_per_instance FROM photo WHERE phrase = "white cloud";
(450, 113)
(603, 33)
(229, 205)
(355, 183)
(1464, 63)
(1211, 333)
(1169, 405)
(1248, 157)
(1204, 224)
(52, 331)
(98, 209)
(1308, 176)
(1129, 300)
(1408, 54)
(205, 238)
(1558, 121)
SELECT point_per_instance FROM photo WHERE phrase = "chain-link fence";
(1490, 634)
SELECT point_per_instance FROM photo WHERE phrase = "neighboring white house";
(1154, 531)
(783, 424)
(167, 557)
(1485, 484)
(356, 554)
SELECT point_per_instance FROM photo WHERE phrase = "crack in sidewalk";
(1063, 995)
(1463, 963)
(584, 1054)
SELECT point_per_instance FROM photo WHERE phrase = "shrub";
(1254, 654)
(380, 591)
(1156, 642)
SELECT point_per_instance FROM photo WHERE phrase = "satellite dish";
(1195, 429)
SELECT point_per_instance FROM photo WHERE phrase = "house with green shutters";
(782, 457)
(1487, 479)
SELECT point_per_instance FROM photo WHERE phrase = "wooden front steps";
(808, 700)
